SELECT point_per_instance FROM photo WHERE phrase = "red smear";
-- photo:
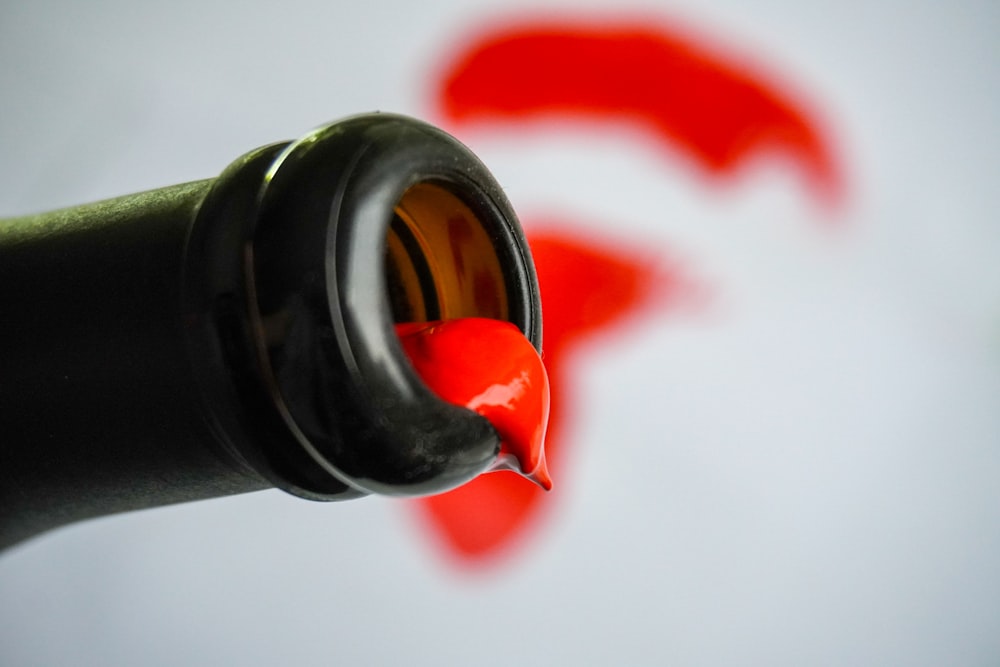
(712, 107)
(585, 288)
(489, 367)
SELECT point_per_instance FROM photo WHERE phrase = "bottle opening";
(374, 221)
(441, 263)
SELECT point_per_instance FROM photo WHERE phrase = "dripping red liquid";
(489, 367)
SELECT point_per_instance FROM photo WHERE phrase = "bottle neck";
(238, 333)
(100, 410)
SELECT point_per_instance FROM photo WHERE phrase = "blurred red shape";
(696, 101)
(712, 107)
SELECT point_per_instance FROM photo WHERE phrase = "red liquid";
(489, 367)
(712, 106)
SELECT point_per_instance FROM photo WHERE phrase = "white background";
(804, 472)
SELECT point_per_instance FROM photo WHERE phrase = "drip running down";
(489, 367)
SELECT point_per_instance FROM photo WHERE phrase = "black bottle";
(236, 333)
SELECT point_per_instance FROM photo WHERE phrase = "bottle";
(237, 333)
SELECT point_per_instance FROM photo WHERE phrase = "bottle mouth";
(363, 224)
(440, 262)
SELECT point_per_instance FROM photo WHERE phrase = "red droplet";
(586, 286)
(489, 367)
(715, 108)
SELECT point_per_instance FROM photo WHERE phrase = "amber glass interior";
(440, 260)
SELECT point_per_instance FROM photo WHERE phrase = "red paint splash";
(711, 107)
(586, 288)
(693, 100)
(489, 367)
